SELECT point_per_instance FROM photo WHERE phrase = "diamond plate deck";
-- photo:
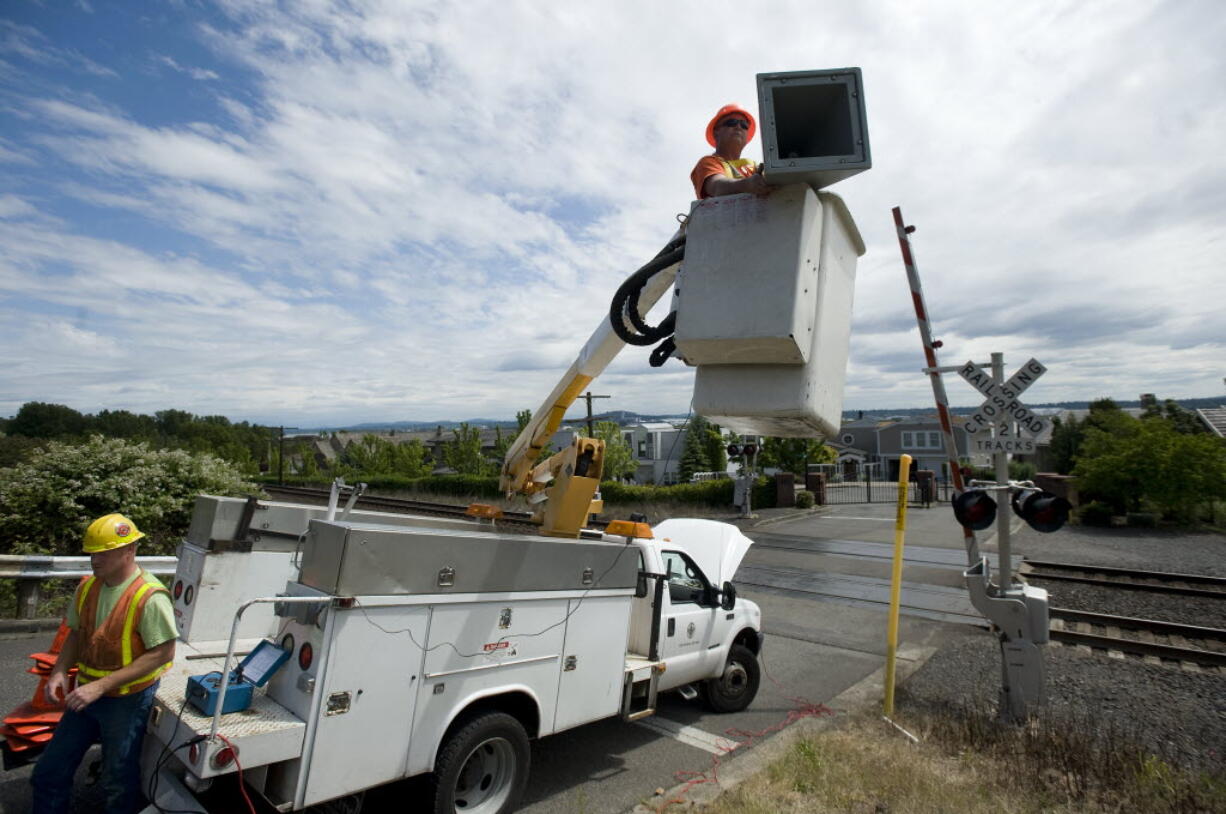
(264, 733)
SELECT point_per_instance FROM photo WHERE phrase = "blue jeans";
(119, 724)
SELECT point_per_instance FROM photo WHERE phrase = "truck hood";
(717, 548)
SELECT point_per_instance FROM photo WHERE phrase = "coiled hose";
(625, 306)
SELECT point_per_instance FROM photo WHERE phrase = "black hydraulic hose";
(625, 305)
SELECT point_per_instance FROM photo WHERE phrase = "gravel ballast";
(1174, 713)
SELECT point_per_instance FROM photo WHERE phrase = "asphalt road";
(817, 646)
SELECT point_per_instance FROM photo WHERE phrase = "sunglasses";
(741, 123)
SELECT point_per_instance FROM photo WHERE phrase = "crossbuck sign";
(1002, 409)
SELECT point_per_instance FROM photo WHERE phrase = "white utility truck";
(421, 644)
(417, 645)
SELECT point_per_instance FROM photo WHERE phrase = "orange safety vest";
(117, 642)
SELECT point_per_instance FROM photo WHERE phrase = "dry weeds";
(967, 762)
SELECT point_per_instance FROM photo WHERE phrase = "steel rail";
(1162, 651)
(1119, 578)
(1131, 623)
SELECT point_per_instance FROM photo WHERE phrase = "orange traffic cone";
(28, 728)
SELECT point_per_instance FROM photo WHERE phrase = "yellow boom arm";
(520, 474)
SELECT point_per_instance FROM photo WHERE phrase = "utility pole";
(281, 457)
(588, 396)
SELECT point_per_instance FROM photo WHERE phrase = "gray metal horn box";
(814, 128)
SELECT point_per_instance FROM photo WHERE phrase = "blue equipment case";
(254, 671)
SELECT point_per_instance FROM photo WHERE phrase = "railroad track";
(1128, 578)
(1188, 647)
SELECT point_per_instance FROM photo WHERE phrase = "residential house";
(875, 446)
(657, 447)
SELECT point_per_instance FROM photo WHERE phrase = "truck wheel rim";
(486, 778)
(735, 679)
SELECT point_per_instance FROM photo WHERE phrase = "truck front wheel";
(482, 768)
(736, 688)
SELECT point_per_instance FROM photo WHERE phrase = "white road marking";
(847, 517)
(690, 735)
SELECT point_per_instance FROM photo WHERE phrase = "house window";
(921, 440)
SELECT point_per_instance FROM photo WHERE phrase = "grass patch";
(966, 762)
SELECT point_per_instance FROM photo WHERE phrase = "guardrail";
(31, 570)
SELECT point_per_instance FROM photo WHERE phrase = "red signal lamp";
(975, 509)
(1041, 510)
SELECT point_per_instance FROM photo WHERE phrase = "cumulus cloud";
(405, 210)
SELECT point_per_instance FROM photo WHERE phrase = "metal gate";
(870, 489)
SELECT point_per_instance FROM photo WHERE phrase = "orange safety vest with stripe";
(115, 643)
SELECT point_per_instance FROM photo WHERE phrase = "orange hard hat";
(724, 111)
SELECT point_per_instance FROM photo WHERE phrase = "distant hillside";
(627, 417)
(1187, 404)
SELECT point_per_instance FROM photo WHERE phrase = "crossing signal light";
(734, 450)
(1041, 510)
(975, 509)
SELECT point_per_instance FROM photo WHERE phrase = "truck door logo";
(689, 630)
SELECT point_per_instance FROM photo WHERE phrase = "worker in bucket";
(123, 638)
(724, 172)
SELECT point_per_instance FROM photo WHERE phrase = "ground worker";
(725, 172)
(123, 638)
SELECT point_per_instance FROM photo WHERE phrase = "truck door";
(687, 640)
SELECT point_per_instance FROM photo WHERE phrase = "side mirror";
(640, 585)
(728, 596)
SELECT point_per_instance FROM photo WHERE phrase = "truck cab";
(702, 621)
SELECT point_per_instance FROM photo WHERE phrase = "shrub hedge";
(1094, 513)
(706, 493)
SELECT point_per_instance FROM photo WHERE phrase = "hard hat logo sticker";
(123, 529)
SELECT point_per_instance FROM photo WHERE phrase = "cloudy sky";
(311, 212)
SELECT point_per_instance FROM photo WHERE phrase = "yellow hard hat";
(110, 531)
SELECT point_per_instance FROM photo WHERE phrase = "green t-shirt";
(157, 623)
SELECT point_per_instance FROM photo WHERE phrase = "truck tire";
(736, 688)
(482, 767)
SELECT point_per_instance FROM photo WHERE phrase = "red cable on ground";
(691, 778)
(241, 787)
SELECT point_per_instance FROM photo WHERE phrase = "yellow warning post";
(900, 529)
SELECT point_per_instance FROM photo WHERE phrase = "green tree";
(693, 450)
(522, 418)
(1066, 439)
(716, 449)
(37, 419)
(618, 457)
(1181, 420)
(47, 501)
(791, 454)
(463, 453)
(1140, 461)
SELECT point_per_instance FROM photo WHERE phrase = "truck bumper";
(172, 795)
